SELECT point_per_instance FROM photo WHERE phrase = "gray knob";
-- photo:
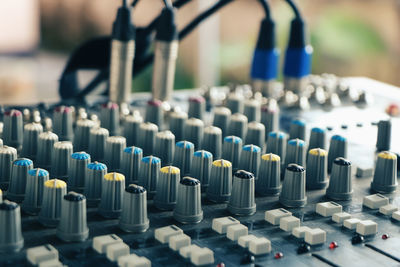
(7, 156)
(11, 239)
(269, 177)
(270, 116)
(201, 167)
(19, 173)
(337, 148)
(317, 169)
(62, 151)
(297, 129)
(77, 171)
(197, 107)
(132, 127)
(317, 138)
(385, 176)
(95, 172)
(155, 113)
(165, 147)
(183, 156)
(194, 131)
(73, 225)
(112, 188)
(177, 121)
(30, 141)
(220, 183)
(97, 143)
(296, 152)
(131, 158)
(45, 149)
(115, 145)
(188, 203)
(242, 200)
(148, 174)
(231, 150)
(34, 190)
(235, 103)
(384, 135)
(147, 138)
(255, 134)
(167, 187)
(294, 187)
(238, 125)
(13, 128)
(63, 122)
(53, 192)
(250, 159)
(134, 210)
(340, 187)
(109, 117)
(252, 109)
(276, 144)
(82, 134)
(212, 141)
(222, 117)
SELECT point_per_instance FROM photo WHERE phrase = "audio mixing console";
(220, 177)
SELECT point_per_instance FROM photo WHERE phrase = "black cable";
(134, 3)
(266, 8)
(294, 8)
(167, 3)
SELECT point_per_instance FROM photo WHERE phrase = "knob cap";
(167, 187)
(250, 159)
(188, 203)
(255, 134)
(73, 225)
(276, 144)
(269, 177)
(194, 132)
(220, 184)
(296, 152)
(270, 116)
(155, 113)
(177, 121)
(63, 123)
(62, 152)
(19, 173)
(252, 110)
(115, 145)
(183, 156)
(298, 129)
(77, 171)
(222, 116)
(201, 167)
(238, 125)
(82, 134)
(13, 128)
(30, 141)
(97, 143)
(131, 158)
(7, 156)
(132, 128)
(109, 117)
(242, 200)
(337, 148)
(231, 150)
(317, 138)
(197, 107)
(340, 187)
(213, 141)
(44, 154)
(384, 135)
(134, 210)
(95, 172)
(385, 176)
(165, 147)
(53, 192)
(147, 138)
(34, 190)
(235, 103)
(294, 187)
(317, 169)
(112, 188)
(11, 239)
(149, 172)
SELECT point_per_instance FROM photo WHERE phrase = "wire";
(294, 8)
(266, 8)
(167, 3)
(134, 3)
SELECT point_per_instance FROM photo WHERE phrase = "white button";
(328, 208)
(100, 243)
(220, 225)
(396, 215)
(178, 241)
(40, 254)
(133, 260)
(288, 223)
(51, 263)
(351, 223)
(260, 246)
(117, 250)
(164, 233)
(300, 232)
(244, 240)
(388, 209)
(367, 227)
(202, 256)
(274, 216)
(235, 231)
(187, 251)
(340, 217)
(315, 236)
(375, 201)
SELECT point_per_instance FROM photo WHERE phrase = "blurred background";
(350, 38)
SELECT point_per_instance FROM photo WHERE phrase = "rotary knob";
(167, 187)
(95, 172)
(131, 128)
(112, 188)
(184, 151)
(34, 190)
(384, 135)
(109, 117)
(220, 183)
(296, 152)
(317, 138)
(63, 123)
(340, 187)
(149, 173)
(44, 155)
(131, 158)
(294, 187)
(77, 171)
(20, 168)
(165, 147)
(11, 239)
(97, 143)
(197, 107)
(62, 152)
(188, 203)
(235, 103)
(269, 178)
(82, 134)
(231, 150)
(13, 128)
(242, 200)
(147, 137)
(252, 110)
(250, 159)
(134, 210)
(238, 125)
(30, 140)
(255, 134)
(115, 146)
(177, 121)
(201, 167)
(276, 144)
(7, 156)
(385, 176)
(337, 148)
(270, 116)
(222, 116)
(298, 129)
(154, 112)
(194, 132)
(53, 192)
(317, 169)
(212, 141)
